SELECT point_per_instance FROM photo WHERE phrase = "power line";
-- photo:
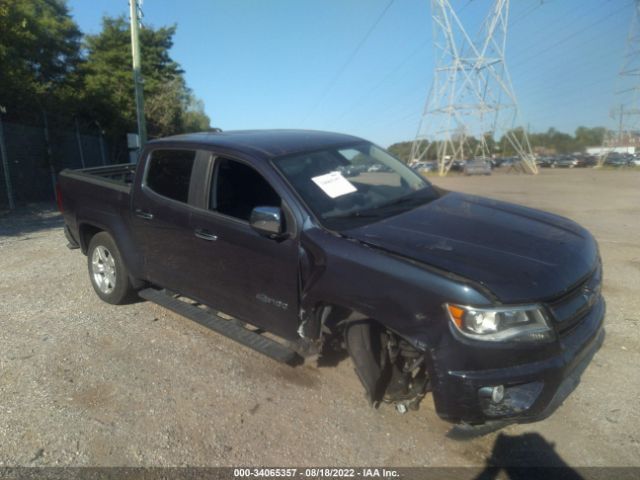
(571, 69)
(398, 103)
(559, 91)
(469, 2)
(569, 37)
(558, 98)
(349, 59)
(389, 74)
(561, 22)
(414, 113)
(527, 13)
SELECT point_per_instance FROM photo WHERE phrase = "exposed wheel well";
(389, 367)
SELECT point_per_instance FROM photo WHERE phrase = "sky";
(364, 67)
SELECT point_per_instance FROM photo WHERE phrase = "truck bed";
(118, 176)
(98, 196)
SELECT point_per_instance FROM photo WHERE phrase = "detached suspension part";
(408, 382)
(390, 369)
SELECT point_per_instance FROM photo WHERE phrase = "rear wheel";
(108, 275)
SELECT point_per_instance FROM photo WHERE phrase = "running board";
(210, 319)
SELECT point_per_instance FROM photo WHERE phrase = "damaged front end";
(390, 369)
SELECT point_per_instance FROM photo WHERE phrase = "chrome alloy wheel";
(103, 268)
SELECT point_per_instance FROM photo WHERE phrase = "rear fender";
(130, 255)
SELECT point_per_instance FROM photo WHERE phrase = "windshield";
(348, 186)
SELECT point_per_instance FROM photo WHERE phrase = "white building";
(597, 151)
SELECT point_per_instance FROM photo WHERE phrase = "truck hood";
(520, 254)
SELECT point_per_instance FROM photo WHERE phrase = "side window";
(237, 189)
(169, 173)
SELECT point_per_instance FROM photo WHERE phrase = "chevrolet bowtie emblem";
(590, 295)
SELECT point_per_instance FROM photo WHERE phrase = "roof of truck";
(264, 143)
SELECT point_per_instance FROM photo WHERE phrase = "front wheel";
(108, 275)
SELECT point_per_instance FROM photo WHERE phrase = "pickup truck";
(492, 307)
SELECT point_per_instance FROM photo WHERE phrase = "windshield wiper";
(357, 214)
(414, 197)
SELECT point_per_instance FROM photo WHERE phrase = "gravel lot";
(86, 383)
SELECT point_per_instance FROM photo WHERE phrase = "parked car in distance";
(546, 162)
(618, 160)
(585, 161)
(477, 166)
(425, 167)
(566, 161)
(494, 308)
(458, 165)
(507, 161)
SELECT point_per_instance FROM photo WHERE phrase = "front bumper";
(533, 390)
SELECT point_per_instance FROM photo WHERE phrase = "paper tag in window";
(334, 184)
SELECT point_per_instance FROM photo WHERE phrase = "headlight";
(515, 324)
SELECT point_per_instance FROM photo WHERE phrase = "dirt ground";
(86, 383)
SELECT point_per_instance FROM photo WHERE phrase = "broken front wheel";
(390, 369)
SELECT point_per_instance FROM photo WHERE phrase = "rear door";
(239, 271)
(161, 214)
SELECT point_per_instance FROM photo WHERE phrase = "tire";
(107, 273)
(363, 341)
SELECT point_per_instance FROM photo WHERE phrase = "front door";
(239, 271)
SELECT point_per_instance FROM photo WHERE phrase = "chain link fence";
(36, 153)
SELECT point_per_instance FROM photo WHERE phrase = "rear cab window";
(169, 173)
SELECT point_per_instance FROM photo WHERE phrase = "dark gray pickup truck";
(291, 241)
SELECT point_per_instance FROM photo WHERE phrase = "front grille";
(571, 308)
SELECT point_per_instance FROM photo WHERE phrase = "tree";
(490, 143)
(194, 117)
(164, 108)
(39, 55)
(590, 137)
(402, 150)
(173, 109)
(170, 106)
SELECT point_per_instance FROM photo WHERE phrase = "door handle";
(143, 214)
(204, 235)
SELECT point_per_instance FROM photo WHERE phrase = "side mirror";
(266, 221)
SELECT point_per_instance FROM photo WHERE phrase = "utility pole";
(627, 95)
(471, 91)
(5, 163)
(47, 141)
(621, 122)
(79, 139)
(137, 74)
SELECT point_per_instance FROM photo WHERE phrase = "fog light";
(501, 401)
(496, 394)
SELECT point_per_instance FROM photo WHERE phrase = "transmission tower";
(626, 110)
(471, 100)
